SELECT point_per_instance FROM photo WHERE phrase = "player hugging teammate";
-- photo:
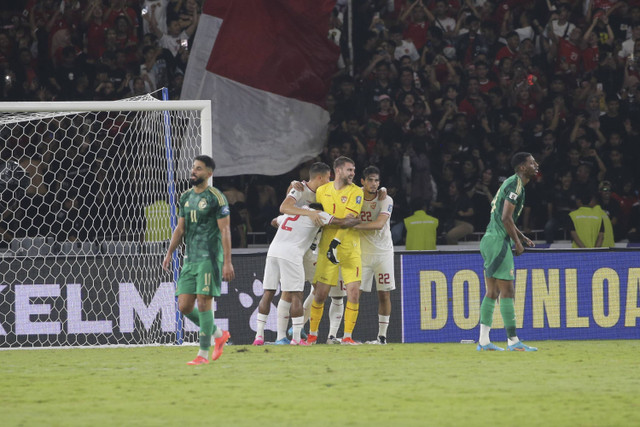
(340, 272)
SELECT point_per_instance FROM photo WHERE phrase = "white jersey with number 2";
(294, 236)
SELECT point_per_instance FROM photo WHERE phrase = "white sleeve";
(386, 207)
(326, 218)
(297, 195)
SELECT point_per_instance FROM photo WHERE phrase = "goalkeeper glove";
(332, 253)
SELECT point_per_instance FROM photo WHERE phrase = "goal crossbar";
(125, 105)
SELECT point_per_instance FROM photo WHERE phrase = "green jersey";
(201, 212)
(511, 191)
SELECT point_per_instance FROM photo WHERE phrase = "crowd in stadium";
(442, 93)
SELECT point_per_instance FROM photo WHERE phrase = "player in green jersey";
(495, 248)
(204, 223)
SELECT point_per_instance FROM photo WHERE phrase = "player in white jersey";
(284, 265)
(297, 198)
(284, 262)
(377, 248)
(302, 195)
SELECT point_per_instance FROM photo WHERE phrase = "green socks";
(207, 328)
(486, 310)
(203, 319)
(194, 316)
(508, 316)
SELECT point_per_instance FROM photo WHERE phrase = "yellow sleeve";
(354, 204)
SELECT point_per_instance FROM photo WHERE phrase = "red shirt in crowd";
(567, 52)
(487, 86)
(603, 4)
(529, 111)
(505, 52)
(96, 34)
(466, 106)
(417, 33)
(590, 58)
(381, 117)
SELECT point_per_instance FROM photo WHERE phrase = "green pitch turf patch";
(585, 383)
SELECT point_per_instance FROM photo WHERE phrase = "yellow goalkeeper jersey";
(340, 203)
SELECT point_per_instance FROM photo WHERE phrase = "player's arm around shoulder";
(347, 222)
(288, 206)
(386, 208)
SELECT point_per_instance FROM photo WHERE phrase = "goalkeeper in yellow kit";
(340, 198)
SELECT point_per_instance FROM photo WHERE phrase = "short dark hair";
(341, 161)
(418, 204)
(585, 196)
(519, 158)
(511, 34)
(318, 168)
(316, 206)
(208, 161)
(370, 170)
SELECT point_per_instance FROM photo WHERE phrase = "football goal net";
(89, 191)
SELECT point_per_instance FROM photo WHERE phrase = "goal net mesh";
(86, 222)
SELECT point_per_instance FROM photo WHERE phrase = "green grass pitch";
(566, 383)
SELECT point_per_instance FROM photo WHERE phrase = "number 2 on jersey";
(291, 218)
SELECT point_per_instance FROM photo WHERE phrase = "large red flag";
(266, 65)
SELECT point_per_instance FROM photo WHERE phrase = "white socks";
(283, 318)
(336, 311)
(262, 321)
(484, 334)
(297, 322)
(383, 324)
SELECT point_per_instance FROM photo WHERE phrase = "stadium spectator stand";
(552, 78)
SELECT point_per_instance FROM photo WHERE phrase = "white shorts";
(378, 268)
(309, 263)
(288, 274)
(338, 291)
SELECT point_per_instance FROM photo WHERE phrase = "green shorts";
(200, 278)
(498, 257)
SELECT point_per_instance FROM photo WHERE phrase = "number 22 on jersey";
(365, 216)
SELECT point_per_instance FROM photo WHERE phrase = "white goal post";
(88, 192)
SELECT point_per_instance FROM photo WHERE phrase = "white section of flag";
(254, 131)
